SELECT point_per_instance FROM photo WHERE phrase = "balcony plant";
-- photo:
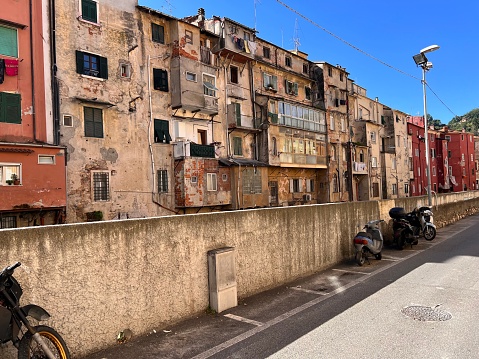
(15, 179)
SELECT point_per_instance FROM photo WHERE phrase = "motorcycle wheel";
(30, 349)
(378, 256)
(429, 233)
(360, 257)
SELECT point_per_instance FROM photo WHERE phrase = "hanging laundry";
(11, 67)
(246, 48)
(252, 46)
(2, 70)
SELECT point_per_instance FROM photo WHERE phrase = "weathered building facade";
(32, 164)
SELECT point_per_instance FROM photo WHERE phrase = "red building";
(32, 166)
(461, 159)
(417, 160)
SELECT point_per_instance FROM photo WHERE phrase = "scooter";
(369, 242)
(32, 342)
(420, 219)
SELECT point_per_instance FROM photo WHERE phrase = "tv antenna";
(296, 41)
(255, 2)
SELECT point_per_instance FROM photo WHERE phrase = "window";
(237, 110)
(270, 81)
(125, 70)
(373, 137)
(331, 123)
(101, 186)
(433, 153)
(375, 189)
(10, 107)
(343, 125)
(295, 185)
(89, 10)
(224, 177)
(419, 171)
(162, 131)
(91, 65)
(275, 146)
(209, 85)
(46, 159)
(67, 121)
(309, 185)
(266, 52)
(8, 222)
(233, 74)
(194, 179)
(393, 164)
(406, 188)
(247, 36)
(374, 162)
(335, 183)
(330, 72)
(288, 61)
(361, 156)
(160, 80)
(307, 92)
(157, 33)
(341, 76)
(6, 172)
(211, 182)
(301, 117)
(395, 189)
(252, 180)
(190, 76)
(8, 41)
(188, 37)
(93, 118)
(472, 157)
(434, 171)
(333, 153)
(162, 181)
(237, 146)
(291, 88)
(305, 68)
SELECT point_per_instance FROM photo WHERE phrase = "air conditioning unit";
(307, 197)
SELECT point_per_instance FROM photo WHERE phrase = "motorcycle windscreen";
(5, 328)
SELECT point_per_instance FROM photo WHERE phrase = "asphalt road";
(416, 303)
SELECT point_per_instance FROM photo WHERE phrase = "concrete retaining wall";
(99, 278)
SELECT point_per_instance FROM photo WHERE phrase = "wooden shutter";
(238, 114)
(295, 88)
(275, 82)
(8, 42)
(93, 122)
(103, 67)
(89, 12)
(157, 33)
(79, 61)
(10, 108)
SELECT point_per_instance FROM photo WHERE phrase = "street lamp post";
(421, 60)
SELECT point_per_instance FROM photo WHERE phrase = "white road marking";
(308, 291)
(245, 320)
(350, 271)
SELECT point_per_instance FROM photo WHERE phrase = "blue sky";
(391, 31)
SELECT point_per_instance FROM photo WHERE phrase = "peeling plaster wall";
(123, 152)
(144, 274)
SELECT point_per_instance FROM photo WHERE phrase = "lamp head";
(429, 49)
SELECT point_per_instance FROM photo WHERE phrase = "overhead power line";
(359, 50)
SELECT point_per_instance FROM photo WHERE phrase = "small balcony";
(184, 149)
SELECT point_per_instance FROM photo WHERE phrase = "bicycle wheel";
(30, 349)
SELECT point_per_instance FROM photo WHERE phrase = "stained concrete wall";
(99, 278)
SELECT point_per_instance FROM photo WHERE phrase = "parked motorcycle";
(32, 342)
(420, 219)
(369, 242)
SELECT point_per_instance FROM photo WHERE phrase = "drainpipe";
(54, 81)
(32, 72)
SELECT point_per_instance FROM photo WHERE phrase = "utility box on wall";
(222, 279)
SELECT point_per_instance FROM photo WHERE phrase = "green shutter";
(89, 12)
(160, 80)
(157, 33)
(275, 82)
(79, 61)
(164, 81)
(8, 42)
(103, 67)
(10, 108)
(93, 122)
(162, 131)
(295, 88)
(238, 114)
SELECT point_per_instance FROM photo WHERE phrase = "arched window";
(361, 156)
(333, 153)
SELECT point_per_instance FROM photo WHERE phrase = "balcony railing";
(190, 149)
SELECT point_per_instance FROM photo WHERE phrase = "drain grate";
(426, 314)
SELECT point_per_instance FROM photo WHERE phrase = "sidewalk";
(193, 337)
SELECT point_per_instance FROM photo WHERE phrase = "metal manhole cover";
(426, 314)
